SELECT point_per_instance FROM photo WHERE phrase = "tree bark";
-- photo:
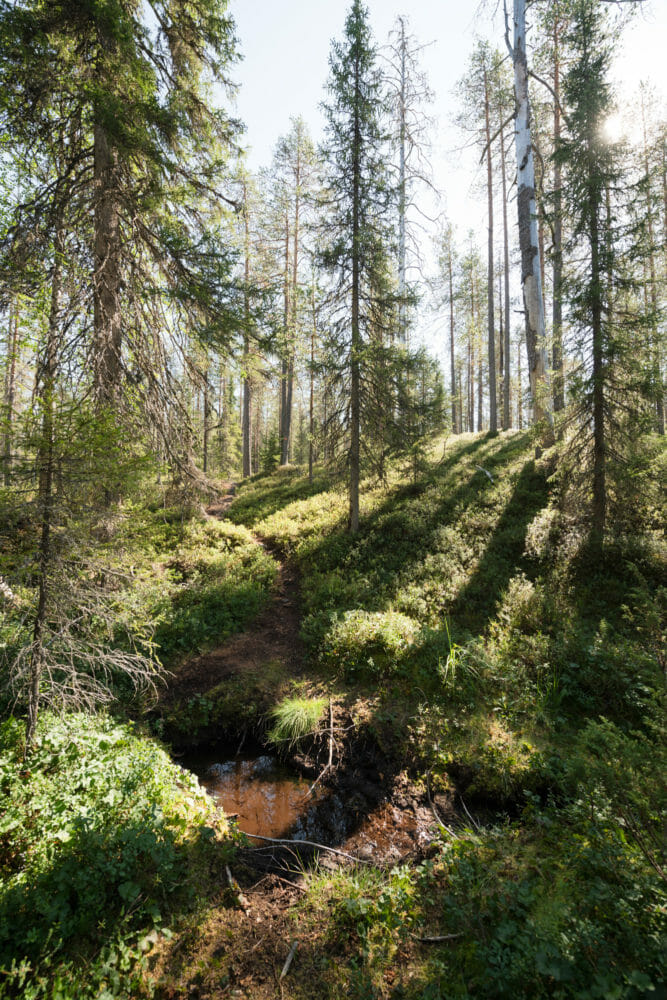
(455, 425)
(311, 401)
(247, 396)
(107, 275)
(402, 323)
(507, 370)
(10, 387)
(557, 255)
(531, 277)
(355, 346)
(653, 290)
(493, 401)
(45, 493)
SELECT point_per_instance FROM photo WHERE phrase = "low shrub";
(101, 838)
(365, 645)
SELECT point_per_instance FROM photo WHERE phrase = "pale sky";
(286, 46)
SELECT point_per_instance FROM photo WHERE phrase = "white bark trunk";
(531, 278)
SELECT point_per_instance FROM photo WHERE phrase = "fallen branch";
(288, 961)
(480, 469)
(305, 843)
(437, 938)
(331, 746)
(236, 889)
(472, 820)
(434, 811)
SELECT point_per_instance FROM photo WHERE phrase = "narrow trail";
(272, 636)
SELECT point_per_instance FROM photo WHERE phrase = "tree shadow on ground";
(105, 882)
(256, 502)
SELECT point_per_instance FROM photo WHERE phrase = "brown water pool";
(268, 797)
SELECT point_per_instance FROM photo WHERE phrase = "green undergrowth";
(524, 675)
(173, 580)
(102, 840)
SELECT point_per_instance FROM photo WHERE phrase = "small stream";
(267, 797)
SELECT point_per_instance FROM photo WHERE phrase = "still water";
(268, 797)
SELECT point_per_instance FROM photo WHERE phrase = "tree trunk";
(10, 387)
(557, 256)
(402, 321)
(283, 418)
(599, 429)
(45, 497)
(656, 339)
(507, 370)
(493, 401)
(311, 401)
(107, 276)
(247, 396)
(531, 278)
(207, 413)
(355, 347)
(455, 425)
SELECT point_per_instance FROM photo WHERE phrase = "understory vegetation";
(493, 658)
(525, 675)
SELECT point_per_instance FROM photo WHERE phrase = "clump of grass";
(295, 718)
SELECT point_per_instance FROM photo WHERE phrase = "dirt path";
(272, 636)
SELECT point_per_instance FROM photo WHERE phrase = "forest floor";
(240, 946)
(485, 733)
(483, 747)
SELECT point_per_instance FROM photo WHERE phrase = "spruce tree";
(359, 199)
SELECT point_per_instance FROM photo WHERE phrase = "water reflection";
(267, 796)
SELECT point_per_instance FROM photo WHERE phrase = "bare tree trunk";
(557, 272)
(470, 399)
(247, 396)
(402, 324)
(10, 387)
(107, 277)
(311, 402)
(599, 429)
(493, 401)
(207, 413)
(456, 427)
(507, 412)
(656, 339)
(519, 401)
(45, 498)
(531, 277)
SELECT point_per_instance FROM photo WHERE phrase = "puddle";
(268, 797)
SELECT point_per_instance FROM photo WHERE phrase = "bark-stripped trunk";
(355, 347)
(507, 371)
(45, 493)
(531, 277)
(10, 388)
(456, 427)
(557, 256)
(493, 402)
